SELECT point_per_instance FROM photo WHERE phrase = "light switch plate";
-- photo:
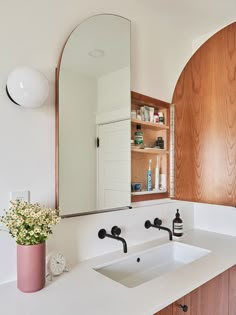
(22, 195)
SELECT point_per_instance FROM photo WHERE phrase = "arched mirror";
(93, 117)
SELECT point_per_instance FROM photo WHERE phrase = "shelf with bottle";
(148, 150)
(149, 178)
(149, 112)
(147, 141)
(149, 124)
(150, 141)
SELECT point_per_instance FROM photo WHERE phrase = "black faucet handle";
(116, 231)
(157, 221)
(147, 224)
(102, 233)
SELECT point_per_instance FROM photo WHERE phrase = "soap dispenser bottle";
(177, 225)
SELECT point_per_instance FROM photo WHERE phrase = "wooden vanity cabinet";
(166, 311)
(212, 297)
(216, 297)
(140, 157)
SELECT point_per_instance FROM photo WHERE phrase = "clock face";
(56, 264)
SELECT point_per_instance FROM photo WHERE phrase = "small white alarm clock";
(56, 264)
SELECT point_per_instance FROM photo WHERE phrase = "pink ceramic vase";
(31, 267)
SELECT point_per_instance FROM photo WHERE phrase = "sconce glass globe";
(27, 87)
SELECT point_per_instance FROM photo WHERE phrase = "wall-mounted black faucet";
(115, 232)
(158, 224)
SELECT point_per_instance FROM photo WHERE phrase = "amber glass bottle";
(177, 225)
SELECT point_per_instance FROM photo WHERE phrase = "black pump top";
(177, 214)
(138, 127)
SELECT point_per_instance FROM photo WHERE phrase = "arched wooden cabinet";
(205, 129)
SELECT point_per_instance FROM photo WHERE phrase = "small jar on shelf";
(160, 143)
(161, 119)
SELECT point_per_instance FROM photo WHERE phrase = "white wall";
(33, 33)
(214, 218)
(81, 240)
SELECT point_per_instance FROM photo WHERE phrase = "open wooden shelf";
(149, 124)
(140, 158)
(149, 151)
(145, 192)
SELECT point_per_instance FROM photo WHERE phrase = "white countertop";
(83, 291)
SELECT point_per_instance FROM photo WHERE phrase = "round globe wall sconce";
(27, 87)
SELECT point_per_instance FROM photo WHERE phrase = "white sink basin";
(149, 264)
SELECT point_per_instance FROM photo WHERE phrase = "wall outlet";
(22, 195)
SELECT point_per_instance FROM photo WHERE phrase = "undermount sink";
(152, 263)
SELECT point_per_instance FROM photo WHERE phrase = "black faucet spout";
(123, 242)
(102, 234)
(165, 229)
(157, 225)
(118, 238)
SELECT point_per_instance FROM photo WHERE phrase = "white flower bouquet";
(29, 224)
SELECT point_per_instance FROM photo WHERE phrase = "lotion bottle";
(149, 176)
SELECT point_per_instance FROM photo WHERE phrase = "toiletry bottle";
(161, 118)
(155, 118)
(146, 113)
(177, 225)
(149, 176)
(138, 136)
(162, 179)
(160, 143)
(151, 114)
(157, 175)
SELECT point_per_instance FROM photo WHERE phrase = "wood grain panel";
(165, 311)
(205, 135)
(212, 297)
(232, 291)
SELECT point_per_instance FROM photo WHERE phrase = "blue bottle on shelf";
(149, 176)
